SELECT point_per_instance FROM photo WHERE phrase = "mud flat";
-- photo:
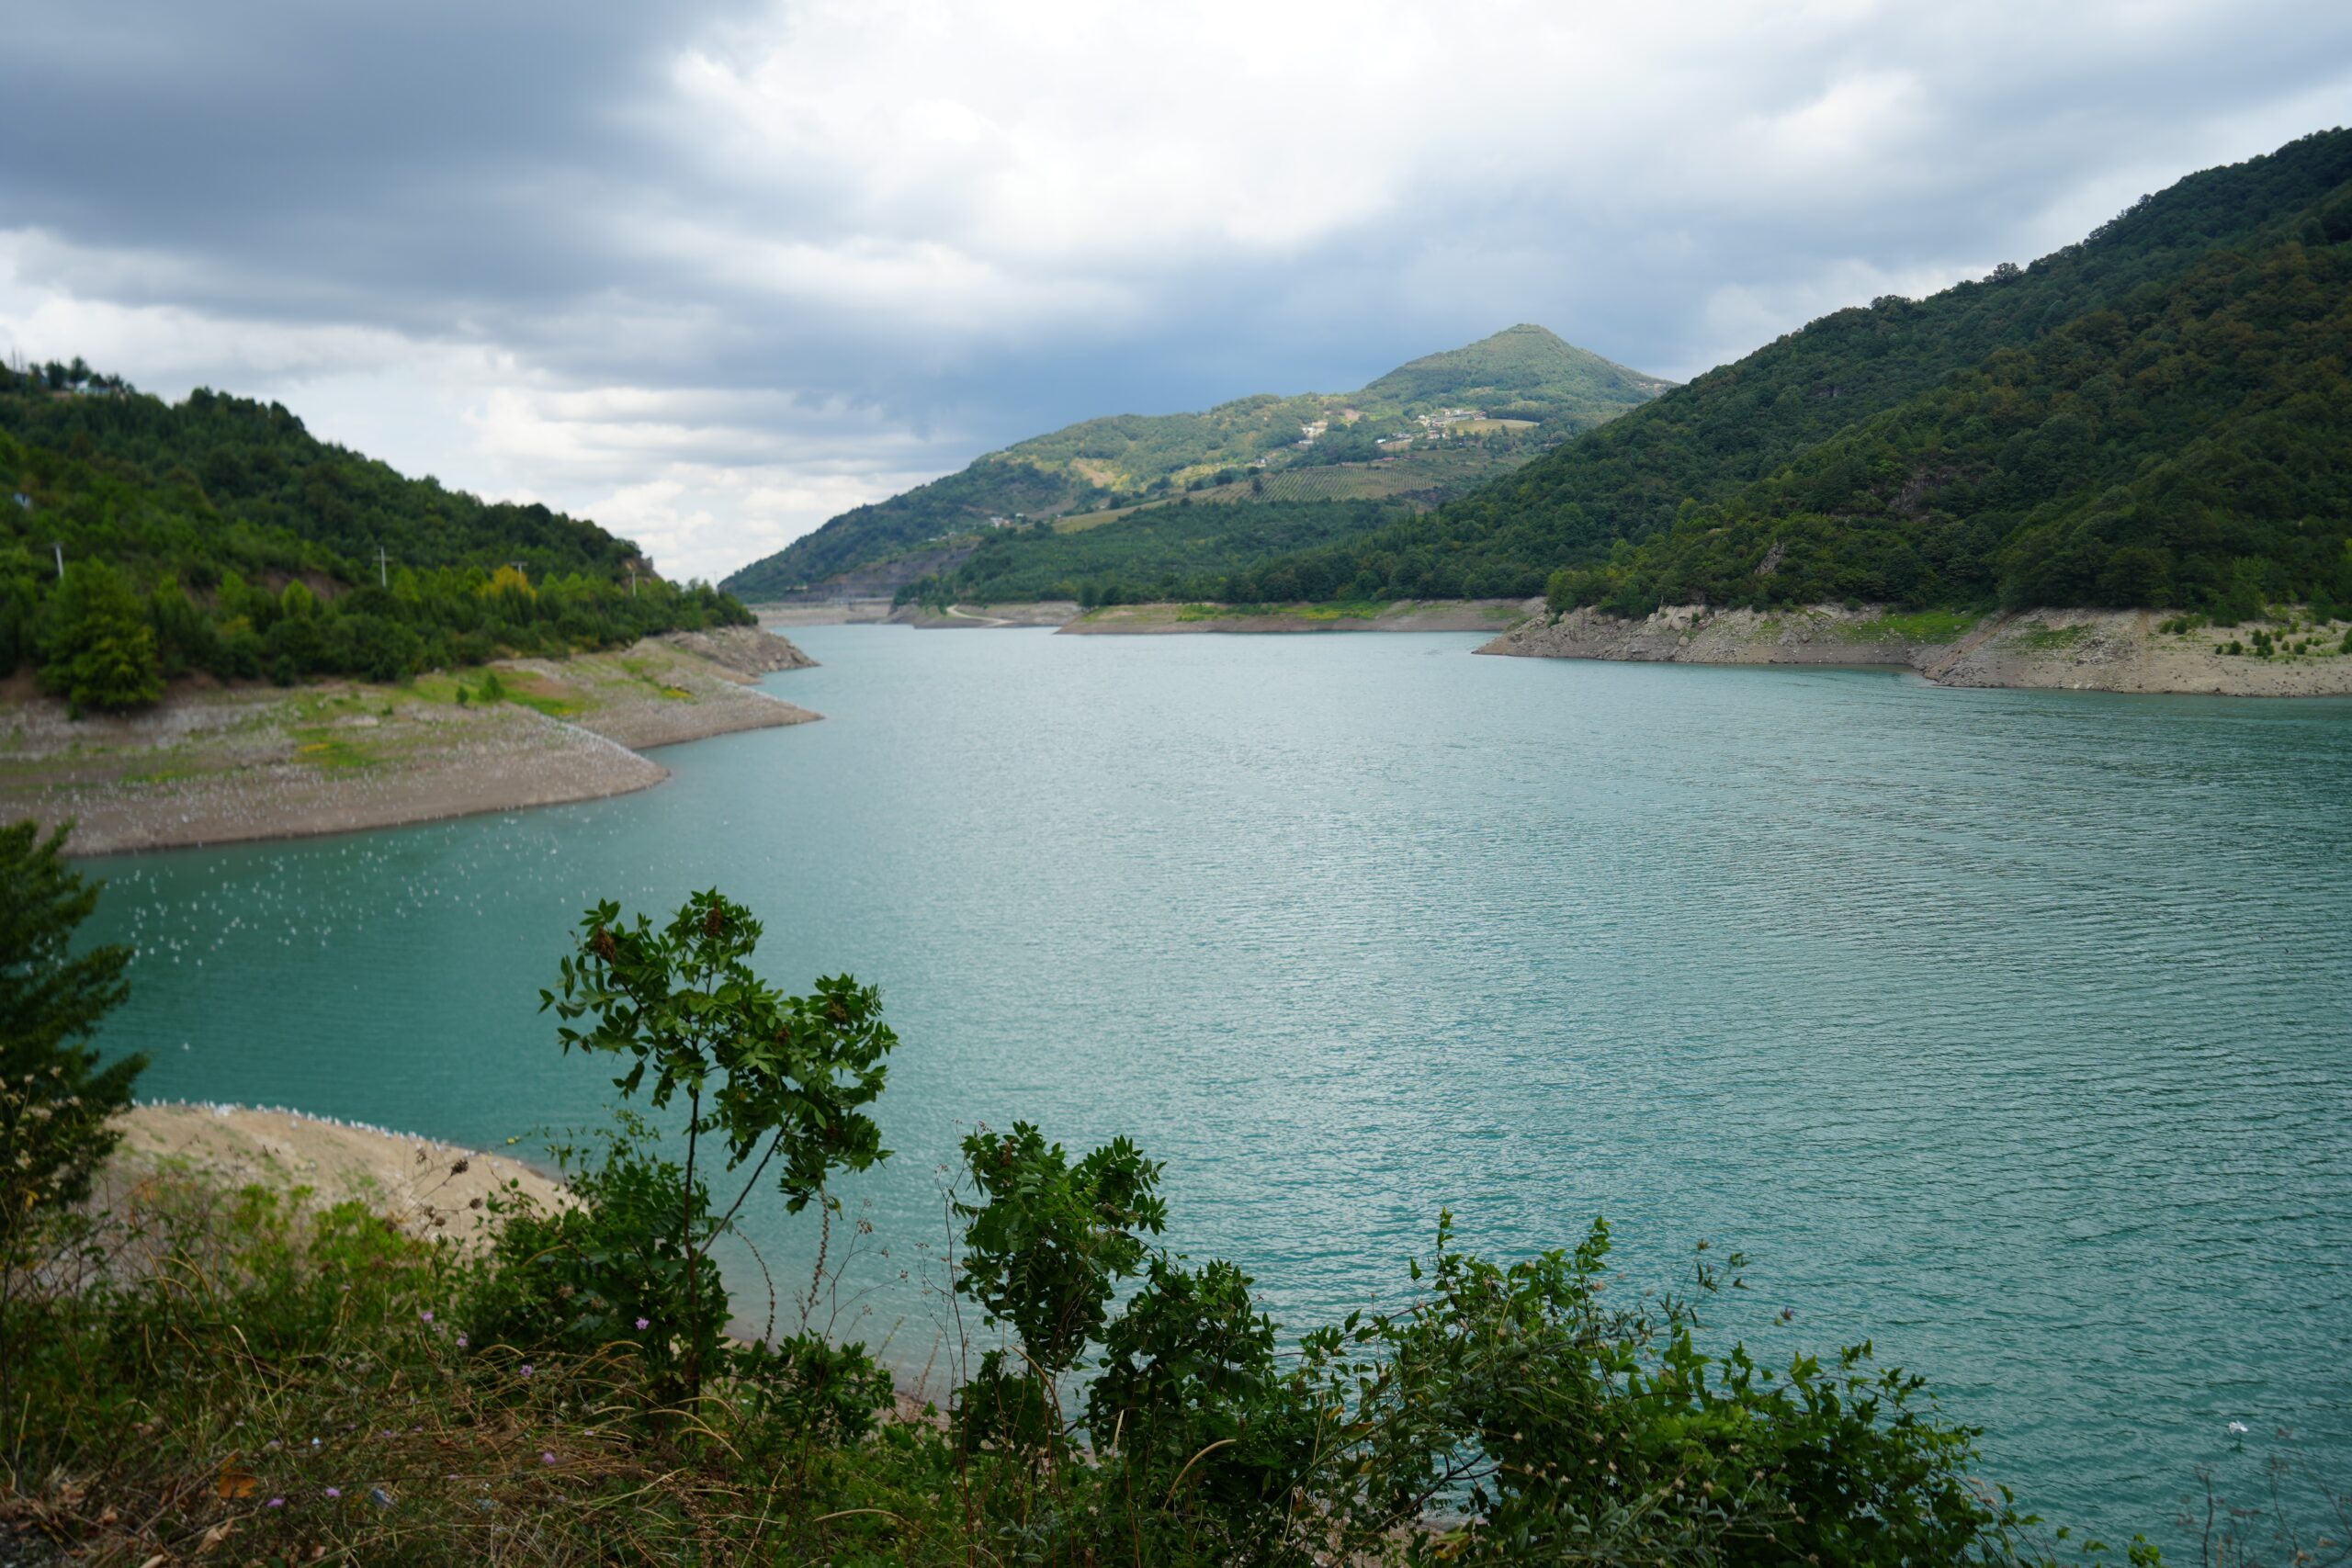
(219, 765)
(2094, 650)
(1402, 615)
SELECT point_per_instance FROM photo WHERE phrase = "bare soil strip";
(215, 765)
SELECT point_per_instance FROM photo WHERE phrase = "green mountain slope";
(1535, 387)
(1740, 424)
(2191, 448)
(219, 535)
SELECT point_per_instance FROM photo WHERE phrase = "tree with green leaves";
(766, 1077)
(99, 647)
(1045, 1246)
(55, 1099)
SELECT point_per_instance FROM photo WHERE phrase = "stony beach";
(222, 765)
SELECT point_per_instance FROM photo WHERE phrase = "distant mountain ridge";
(1533, 387)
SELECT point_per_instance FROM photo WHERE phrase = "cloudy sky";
(711, 272)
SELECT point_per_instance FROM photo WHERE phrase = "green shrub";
(761, 1073)
(98, 648)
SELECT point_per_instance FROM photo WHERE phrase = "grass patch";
(1918, 625)
(1319, 612)
(2048, 639)
(325, 748)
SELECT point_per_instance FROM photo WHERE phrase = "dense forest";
(1187, 550)
(1546, 388)
(2184, 449)
(140, 540)
(1748, 422)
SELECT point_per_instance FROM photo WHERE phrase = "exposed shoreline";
(1163, 618)
(427, 1187)
(217, 765)
(1399, 616)
(2091, 651)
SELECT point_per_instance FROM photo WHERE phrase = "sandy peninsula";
(2095, 650)
(214, 764)
(426, 1187)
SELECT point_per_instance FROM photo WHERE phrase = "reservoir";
(2011, 1029)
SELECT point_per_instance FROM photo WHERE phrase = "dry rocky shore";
(219, 764)
(2101, 650)
(426, 1187)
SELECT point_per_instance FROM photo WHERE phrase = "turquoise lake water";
(2011, 1029)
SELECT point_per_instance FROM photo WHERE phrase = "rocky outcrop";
(747, 651)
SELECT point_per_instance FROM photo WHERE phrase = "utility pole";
(383, 578)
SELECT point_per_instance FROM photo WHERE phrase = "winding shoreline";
(2089, 651)
(227, 765)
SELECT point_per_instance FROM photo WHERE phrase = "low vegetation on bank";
(199, 1370)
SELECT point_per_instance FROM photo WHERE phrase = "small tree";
(55, 1100)
(762, 1073)
(1043, 1252)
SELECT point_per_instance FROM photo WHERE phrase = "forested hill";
(218, 534)
(1748, 421)
(2190, 448)
(292, 502)
(1529, 387)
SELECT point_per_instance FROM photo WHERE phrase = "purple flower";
(461, 1341)
(275, 1503)
(546, 1459)
(335, 1490)
(643, 1324)
(526, 1368)
(427, 1317)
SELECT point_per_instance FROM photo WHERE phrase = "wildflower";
(426, 1315)
(546, 1459)
(335, 1490)
(526, 1368)
(461, 1341)
(275, 1503)
(643, 1324)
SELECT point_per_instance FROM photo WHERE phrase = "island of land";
(217, 763)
